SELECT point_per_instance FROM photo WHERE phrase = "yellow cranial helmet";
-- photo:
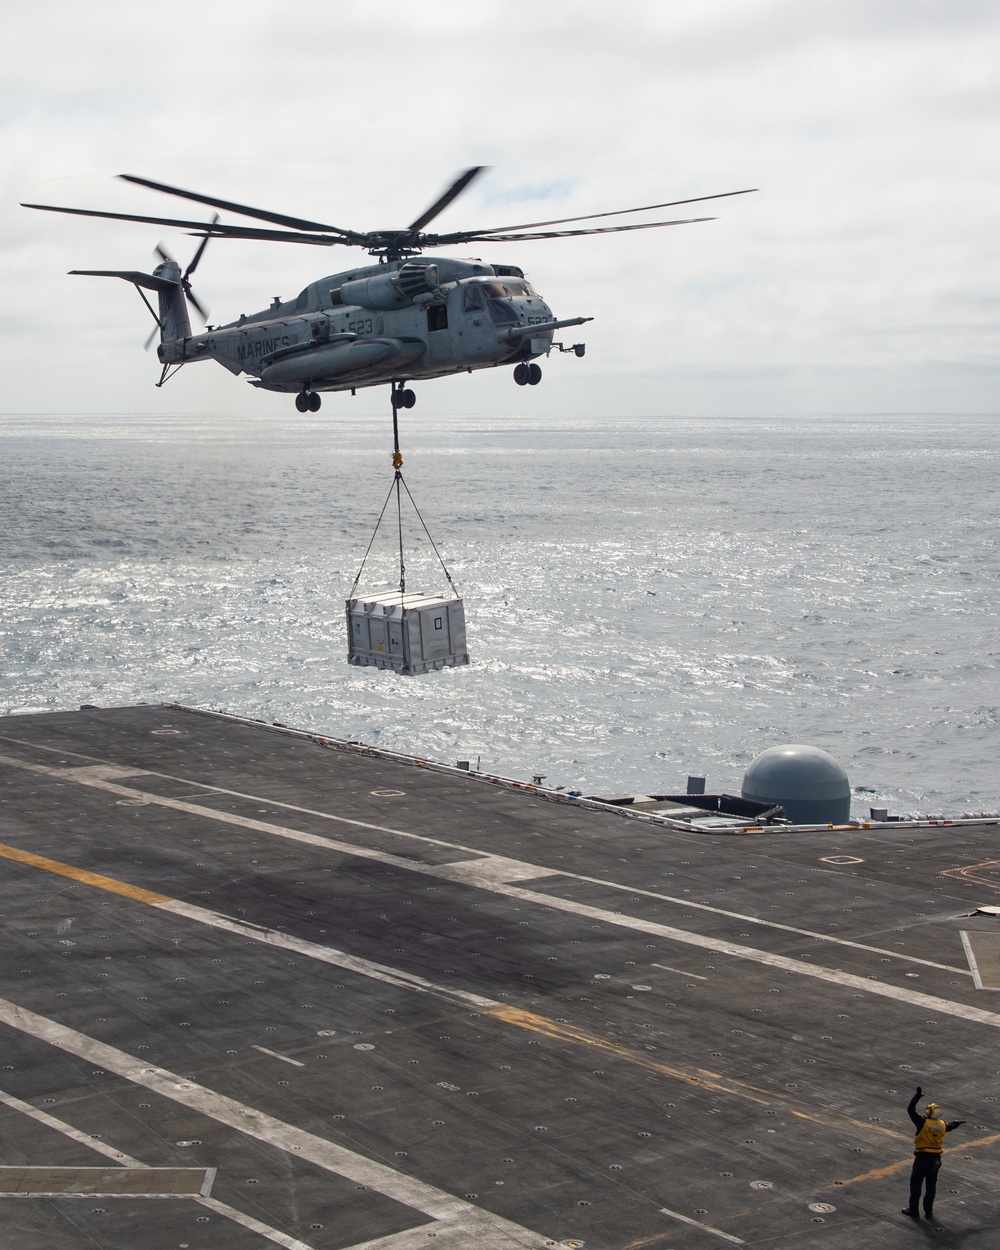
(932, 1106)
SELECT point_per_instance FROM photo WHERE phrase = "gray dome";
(809, 784)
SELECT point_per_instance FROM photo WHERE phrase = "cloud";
(868, 260)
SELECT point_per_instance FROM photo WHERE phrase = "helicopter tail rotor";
(184, 278)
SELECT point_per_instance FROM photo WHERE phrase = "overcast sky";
(864, 277)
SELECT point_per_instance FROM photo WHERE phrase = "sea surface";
(646, 598)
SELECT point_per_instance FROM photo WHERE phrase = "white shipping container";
(409, 633)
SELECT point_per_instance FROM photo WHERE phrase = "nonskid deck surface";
(364, 1003)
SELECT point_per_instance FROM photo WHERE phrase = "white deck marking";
(326, 954)
(254, 1225)
(667, 968)
(985, 977)
(101, 1147)
(514, 870)
(474, 1233)
(496, 869)
(297, 1142)
(977, 980)
(106, 772)
(501, 1011)
(504, 868)
(721, 947)
(757, 920)
(274, 1055)
(407, 1240)
(67, 1130)
(489, 882)
(686, 1219)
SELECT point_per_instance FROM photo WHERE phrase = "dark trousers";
(926, 1166)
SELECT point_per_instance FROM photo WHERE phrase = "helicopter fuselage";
(406, 319)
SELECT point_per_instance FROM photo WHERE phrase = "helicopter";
(402, 319)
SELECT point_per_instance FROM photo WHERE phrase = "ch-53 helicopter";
(402, 319)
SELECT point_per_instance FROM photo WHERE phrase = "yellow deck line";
(971, 873)
(704, 1078)
(516, 1016)
(570, 1033)
(877, 1174)
(81, 874)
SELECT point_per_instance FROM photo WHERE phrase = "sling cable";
(407, 632)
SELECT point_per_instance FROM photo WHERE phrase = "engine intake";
(417, 278)
(392, 290)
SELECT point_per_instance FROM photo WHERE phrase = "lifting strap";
(394, 488)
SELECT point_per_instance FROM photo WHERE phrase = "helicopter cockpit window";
(473, 301)
(509, 288)
(501, 312)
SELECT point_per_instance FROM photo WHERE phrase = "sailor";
(927, 1149)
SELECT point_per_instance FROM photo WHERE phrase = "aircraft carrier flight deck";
(260, 990)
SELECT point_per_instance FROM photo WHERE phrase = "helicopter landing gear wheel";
(315, 401)
(521, 373)
(302, 401)
(403, 397)
(534, 374)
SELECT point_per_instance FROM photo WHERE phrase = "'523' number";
(365, 325)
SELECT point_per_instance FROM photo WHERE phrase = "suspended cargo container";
(390, 629)
(409, 633)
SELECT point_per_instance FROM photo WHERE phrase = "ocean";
(646, 598)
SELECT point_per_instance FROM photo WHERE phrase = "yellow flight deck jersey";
(930, 1139)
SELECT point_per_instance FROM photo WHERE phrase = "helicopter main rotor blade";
(155, 221)
(279, 219)
(468, 237)
(618, 212)
(453, 192)
(202, 229)
(271, 236)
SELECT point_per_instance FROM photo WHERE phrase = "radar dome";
(809, 784)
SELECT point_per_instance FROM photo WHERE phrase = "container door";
(456, 628)
(358, 640)
(436, 625)
(376, 628)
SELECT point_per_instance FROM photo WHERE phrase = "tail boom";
(172, 318)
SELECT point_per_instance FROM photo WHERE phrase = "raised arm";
(911, 1109)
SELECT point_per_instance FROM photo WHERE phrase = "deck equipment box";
(409, 633)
